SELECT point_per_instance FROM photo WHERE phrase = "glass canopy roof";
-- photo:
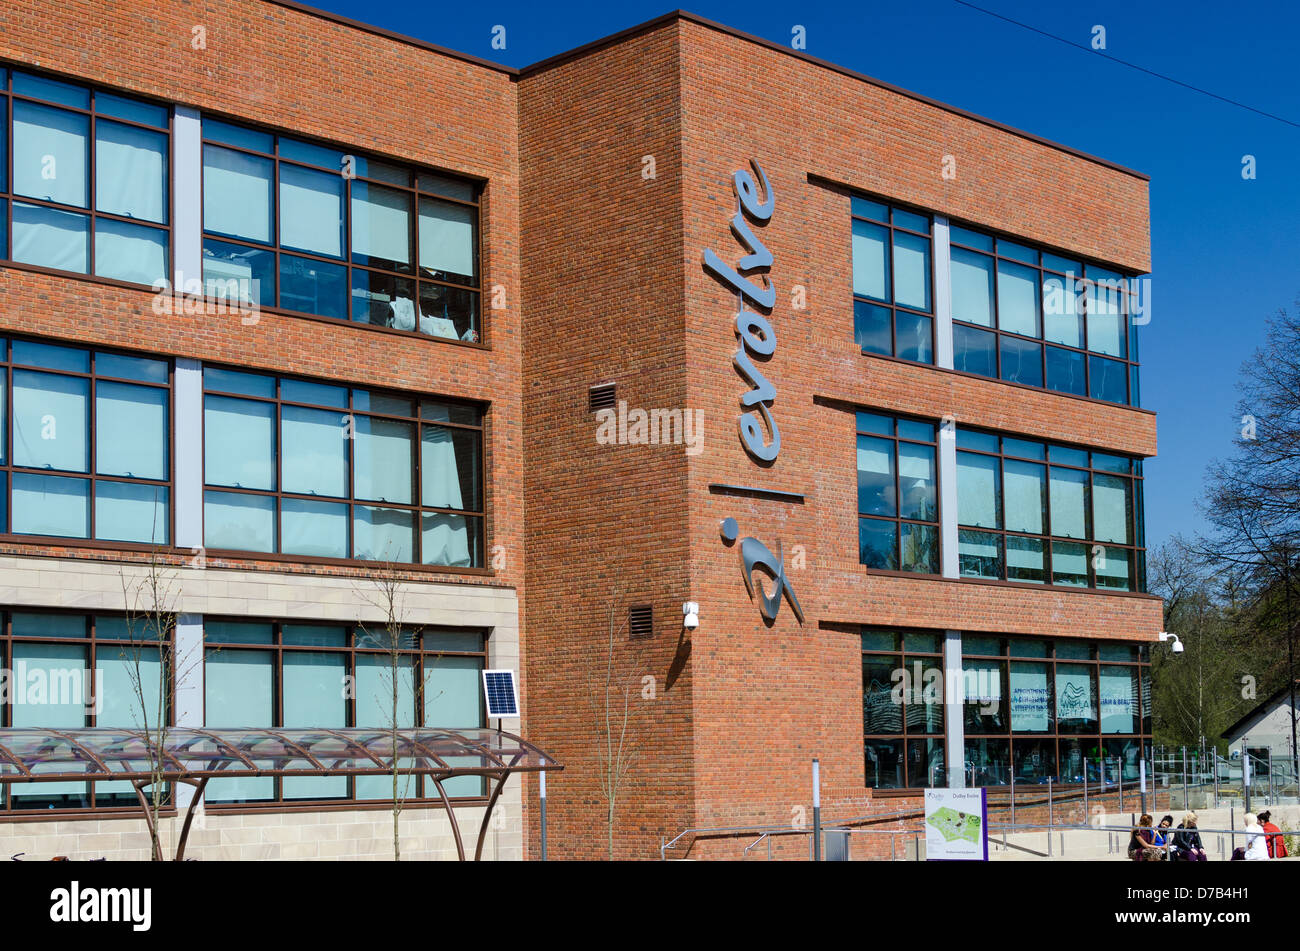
(42, 755)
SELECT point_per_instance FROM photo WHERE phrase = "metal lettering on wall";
(754, 330)
(759, 432)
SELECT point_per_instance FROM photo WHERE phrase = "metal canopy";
(193, 756)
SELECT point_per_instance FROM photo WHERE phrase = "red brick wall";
(303, 74)
(603, 305)
(606, 524)
(606, 265)
(300, 73)
(769, 699)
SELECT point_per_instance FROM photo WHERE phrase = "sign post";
(817, 810)
(957, 825)
(541, 780)
(1142, 779)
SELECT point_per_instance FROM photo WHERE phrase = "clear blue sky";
(1225, 251)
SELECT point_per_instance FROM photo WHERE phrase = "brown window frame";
(1060, 740)
(8, 195)
(8, 467)
(476, 517)
(897, 519)
(93, 645)
(423, 791)
(892, 305)
(415, 189)
(906, 658)
(1134, 551)
(1130, 359)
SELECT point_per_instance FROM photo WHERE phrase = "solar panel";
(501, 693)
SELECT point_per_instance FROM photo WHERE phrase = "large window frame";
(1074, 462)
(98, 108)
(1058, 279)
(95, 645)
(360, 641)
(94, 379)
(1063, 660)
(355, 170)
(919, 741)
(903, 434)
(353, 416)
(868, 214)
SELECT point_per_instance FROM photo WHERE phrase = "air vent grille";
(641, 620)
(601, 396)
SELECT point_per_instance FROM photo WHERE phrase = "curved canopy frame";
(194, 756)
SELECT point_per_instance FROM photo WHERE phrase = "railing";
(767, 833)
(1224, 841)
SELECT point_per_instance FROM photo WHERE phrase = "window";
(325, 471)
(1059, 710)
(84, 187)
(892, 282)
(898, 508)
(308, 228)
(85, 449)
(77, 671)
(1032, 317)
(902, 709)
(272, 674)
(1048, 514)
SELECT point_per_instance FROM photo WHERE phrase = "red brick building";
(508, 285)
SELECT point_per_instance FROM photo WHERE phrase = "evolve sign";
(759, 432)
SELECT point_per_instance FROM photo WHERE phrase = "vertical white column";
(187, 233)
(187, 393)
(942, 296)
(189, 683)
(943, 355)
(187, 258)
(187, 200)
(954, 685)
(948, 562)
(954, 697)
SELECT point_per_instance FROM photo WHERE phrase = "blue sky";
(1225, 251)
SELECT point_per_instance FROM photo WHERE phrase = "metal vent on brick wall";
(641, 620)
(600, 397)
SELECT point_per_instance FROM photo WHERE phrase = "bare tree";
(399, 641)
(152, 603)
(613, 717)
(1195, 693)
(1253, 499)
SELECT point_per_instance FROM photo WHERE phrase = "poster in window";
(1118, 700)
(1029, 698)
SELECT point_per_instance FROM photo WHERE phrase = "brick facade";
(751, 704)
(607, 173)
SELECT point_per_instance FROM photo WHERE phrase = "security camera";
(1177, 647)
(691, 615)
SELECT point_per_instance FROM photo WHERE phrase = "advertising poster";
(956, 825)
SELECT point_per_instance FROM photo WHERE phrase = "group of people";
(1183, 844)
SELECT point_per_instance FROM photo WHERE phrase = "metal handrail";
(775, 830)
(765, 835)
